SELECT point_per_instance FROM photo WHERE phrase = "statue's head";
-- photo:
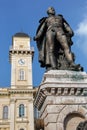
(51, 10)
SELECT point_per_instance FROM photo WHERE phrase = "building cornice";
(9, 91)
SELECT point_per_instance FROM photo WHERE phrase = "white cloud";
(81, 33)
(82, 28)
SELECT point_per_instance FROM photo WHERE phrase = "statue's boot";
(76, 67)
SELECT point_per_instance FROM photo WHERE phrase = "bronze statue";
(54, 42)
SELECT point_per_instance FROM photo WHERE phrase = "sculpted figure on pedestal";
(54, 42)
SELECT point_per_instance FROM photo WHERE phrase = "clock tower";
(21, 55)
(21, 91)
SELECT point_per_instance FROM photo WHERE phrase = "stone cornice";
(4, 92)
(18, 91)
(58, 84)
(53, 91)
(61, 83)
(9, 91)
(20, 52)
(65, 91)
(17, 52)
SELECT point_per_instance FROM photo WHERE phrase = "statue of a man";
(54, 34)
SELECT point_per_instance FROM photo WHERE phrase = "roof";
(21, 34)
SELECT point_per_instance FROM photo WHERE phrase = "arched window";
(5, 112)
(21, 110)
(22, 129)
(21, 74)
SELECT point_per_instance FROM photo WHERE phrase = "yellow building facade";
(16, 102)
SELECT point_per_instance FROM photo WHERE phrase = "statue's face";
(51, 10)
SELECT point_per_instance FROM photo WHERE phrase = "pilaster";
(13, 72)
(31, 114)
(12, 113)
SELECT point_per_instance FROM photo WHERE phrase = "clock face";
(21, 61)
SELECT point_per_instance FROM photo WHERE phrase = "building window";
(5, 112)
(21, 110)
(21, 74)
(21, 129)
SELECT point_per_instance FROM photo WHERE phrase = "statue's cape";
(41, 44)
(41, 21)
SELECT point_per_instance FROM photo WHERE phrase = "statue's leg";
(64, 44)
(50, 38)
(69, 55)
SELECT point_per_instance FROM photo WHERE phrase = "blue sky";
(23, 15)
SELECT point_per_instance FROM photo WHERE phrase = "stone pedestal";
(62, 99)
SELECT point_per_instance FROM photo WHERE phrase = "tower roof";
(21, 34)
